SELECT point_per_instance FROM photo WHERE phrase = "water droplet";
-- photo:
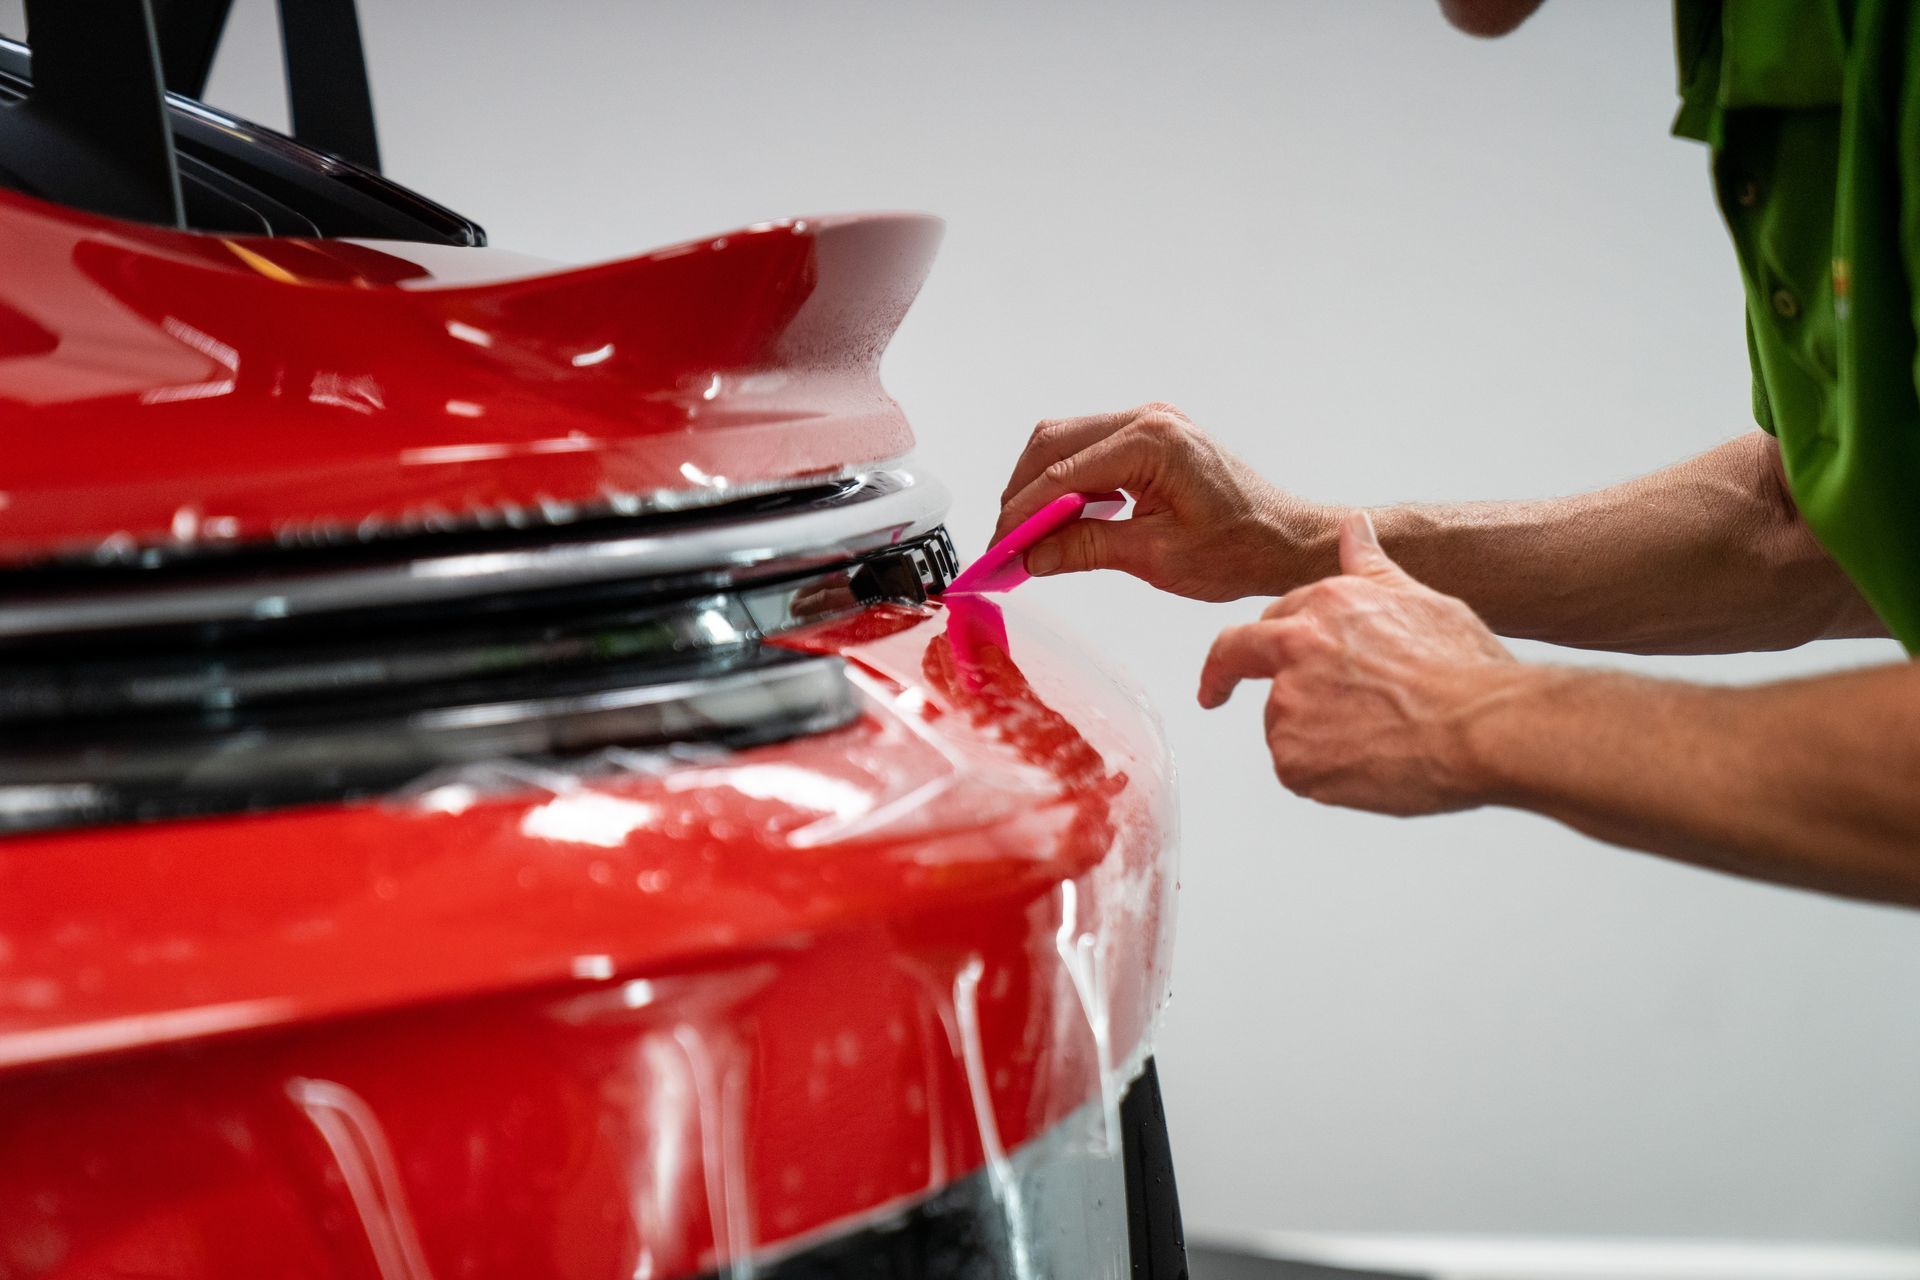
(846, 1048)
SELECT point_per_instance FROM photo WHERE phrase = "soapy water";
(690, 1133)
(966, 1017)
(366, 1163)
(1079, 952)
(719, 1092)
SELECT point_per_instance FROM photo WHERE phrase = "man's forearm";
(1813, 783)
(1704, 556)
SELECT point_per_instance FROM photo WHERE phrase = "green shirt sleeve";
(1812, 111)
(1861, 486)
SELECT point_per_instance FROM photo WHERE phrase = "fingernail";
(1043, 560)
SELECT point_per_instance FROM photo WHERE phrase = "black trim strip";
(1156, 1238)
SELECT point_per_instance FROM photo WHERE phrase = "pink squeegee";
(1004, 566)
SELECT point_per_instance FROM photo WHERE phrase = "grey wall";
(1382, 261)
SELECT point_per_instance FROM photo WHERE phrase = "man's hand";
(1392, 696)
(1375, 681)
(1204, 525)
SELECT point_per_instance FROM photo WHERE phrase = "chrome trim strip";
(883, 509)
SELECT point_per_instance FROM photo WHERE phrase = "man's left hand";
(1376, 682)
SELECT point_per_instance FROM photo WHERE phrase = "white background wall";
(1381, 261)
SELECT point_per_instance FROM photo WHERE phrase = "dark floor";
(1226, 1264)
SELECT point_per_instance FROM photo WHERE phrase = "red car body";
(685, 1012)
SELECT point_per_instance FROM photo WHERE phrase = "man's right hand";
(1204, 524)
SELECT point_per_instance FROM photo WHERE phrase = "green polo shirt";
(1812, 108)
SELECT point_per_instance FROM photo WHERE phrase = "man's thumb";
(1360, 549)
(1084, 545)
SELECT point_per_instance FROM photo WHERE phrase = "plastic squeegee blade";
(1004, 566)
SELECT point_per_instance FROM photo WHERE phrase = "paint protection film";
(864, 1002)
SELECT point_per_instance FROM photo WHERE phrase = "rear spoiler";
(202, 390)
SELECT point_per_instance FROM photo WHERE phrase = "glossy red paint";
(160, 387)
(631, 1026)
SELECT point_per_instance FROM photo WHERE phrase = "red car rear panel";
(631, 1027)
